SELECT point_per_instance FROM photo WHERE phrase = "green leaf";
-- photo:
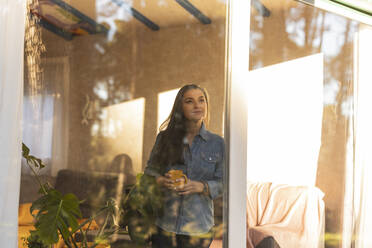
(36, 161)
(57, 215)
(40, 163)
(63, 228)
(138, 178)
(103, 238)
(45, 186)
(71, 203)
(140, 206)
(25, 150)
(38, 204)
(33, 241)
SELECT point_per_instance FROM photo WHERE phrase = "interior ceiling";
(164, 13)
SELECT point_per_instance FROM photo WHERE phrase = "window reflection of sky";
(331, 90)
(100, 89)
(109, 11)
(347, 106)
(336, 27)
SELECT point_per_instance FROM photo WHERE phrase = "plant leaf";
(25, 150)
(40, 163)
(38, 204)
(57, 214)
(37, 161)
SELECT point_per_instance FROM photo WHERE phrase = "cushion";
(292, 215)
(24, 216)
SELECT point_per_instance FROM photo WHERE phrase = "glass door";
(297, 117)
(100, 79)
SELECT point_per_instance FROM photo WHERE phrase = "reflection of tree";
(295, 30)
(104, 71)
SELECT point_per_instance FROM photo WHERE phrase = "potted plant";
(56, 215)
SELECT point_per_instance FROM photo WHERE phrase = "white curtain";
(12, 25)
(363, 140)
(37, 127)
(46, 117)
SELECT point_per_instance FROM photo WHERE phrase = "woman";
(185, 144)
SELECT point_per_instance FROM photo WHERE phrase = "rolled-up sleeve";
(153, 169)
(216, 185)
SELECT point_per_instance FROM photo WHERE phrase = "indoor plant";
(56, 215)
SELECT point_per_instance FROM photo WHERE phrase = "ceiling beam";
(265, 12)
(194, 11)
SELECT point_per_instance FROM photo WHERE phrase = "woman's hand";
(191, 187)
(165, 181)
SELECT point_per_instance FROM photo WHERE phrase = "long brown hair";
(173, 130)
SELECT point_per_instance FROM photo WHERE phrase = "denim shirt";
(204, 161)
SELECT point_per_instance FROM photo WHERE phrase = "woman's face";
(194, 105)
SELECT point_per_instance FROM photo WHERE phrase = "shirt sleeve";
(216, 185)
(151, 168)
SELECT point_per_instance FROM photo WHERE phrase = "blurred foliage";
(141, 206)
(332, 239)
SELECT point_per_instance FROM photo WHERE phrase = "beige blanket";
(293, 215)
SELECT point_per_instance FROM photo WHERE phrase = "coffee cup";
(177, 174)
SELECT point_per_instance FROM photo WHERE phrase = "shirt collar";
(203, 132)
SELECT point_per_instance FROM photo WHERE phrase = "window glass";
(300, 125)
(100, 78)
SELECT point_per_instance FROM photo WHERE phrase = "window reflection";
(295, 30)
(115, 92)
(165, 101)
(110, 12)
(284, 121)
(122, 130)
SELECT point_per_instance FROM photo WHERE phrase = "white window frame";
(339, 9)
(237, 54)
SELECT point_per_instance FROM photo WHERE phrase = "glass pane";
(100, 78)
(300, 133)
